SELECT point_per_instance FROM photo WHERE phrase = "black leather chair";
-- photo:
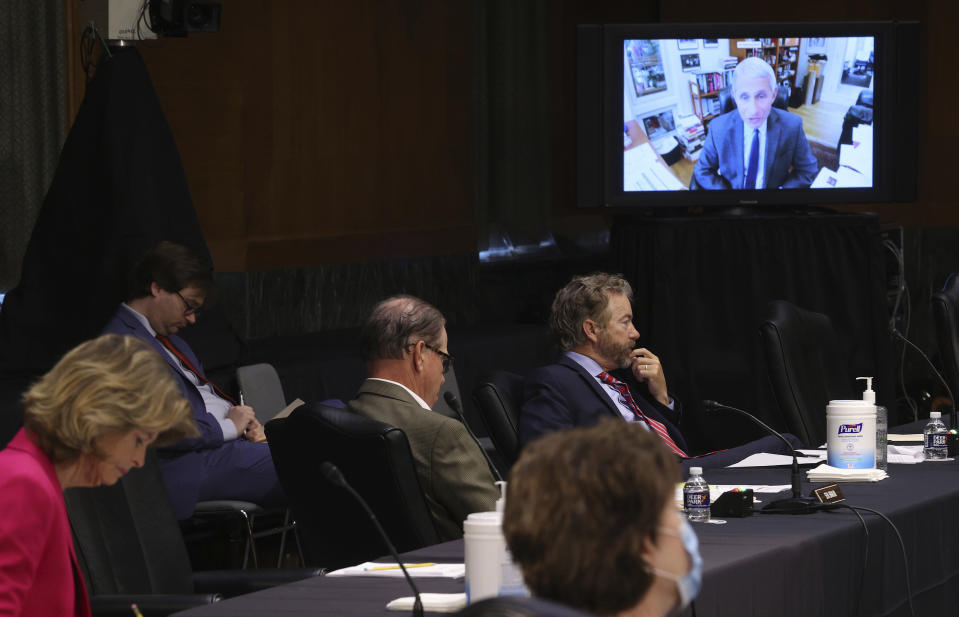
(805, 367)
(945, 314)
(514, 606)
(375, 459)
(130, 549)
(727, 103)
(498, 400)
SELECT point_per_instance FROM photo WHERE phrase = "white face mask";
(689, 583)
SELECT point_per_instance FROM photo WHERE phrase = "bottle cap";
(933, 415)
(695, 471)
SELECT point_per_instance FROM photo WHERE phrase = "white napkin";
(432, 602)
(825, 473)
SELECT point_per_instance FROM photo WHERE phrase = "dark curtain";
(702, 286)
(118, 189)
(32, 108)
(511, 128)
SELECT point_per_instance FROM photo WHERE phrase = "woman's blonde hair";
(110, 384)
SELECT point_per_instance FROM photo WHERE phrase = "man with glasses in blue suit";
(230, 459)
(404, 345)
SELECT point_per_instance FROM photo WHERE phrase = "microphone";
(455, 405)
(332, 473)
(797, 504)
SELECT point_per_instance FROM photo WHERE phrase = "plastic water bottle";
(696, 496)
(882, 437)
(935, 444)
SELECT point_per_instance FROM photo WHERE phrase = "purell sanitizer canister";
(851, 434)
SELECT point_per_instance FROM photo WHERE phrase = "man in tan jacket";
(404, 345)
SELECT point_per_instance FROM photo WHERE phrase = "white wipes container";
(484, 553)
(851, 434)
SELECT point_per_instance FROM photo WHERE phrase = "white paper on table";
(901, 438)
(765, 459)
(439, 570)
(825, 473)
(432, 602)
(908, 455)
(818, 453)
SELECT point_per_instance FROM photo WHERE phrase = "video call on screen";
(817, 116)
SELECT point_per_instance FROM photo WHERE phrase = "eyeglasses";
(190, 309)
(447, 359)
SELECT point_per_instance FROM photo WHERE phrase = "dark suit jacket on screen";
(453, 474)
(564, 395)
(789, 160)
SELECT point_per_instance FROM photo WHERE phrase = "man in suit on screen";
(601, 374)
(756, 146)
(404, 345)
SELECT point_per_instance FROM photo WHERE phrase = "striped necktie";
(658, 427)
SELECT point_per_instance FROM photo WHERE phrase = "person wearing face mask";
(87, 422)
(590, 519)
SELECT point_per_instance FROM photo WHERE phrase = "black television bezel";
(883, 189)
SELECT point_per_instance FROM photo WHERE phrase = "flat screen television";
(746, 114)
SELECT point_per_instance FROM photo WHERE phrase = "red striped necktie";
(189, 365)
(658, 427)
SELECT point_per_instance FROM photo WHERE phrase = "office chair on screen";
(498, 400)
(805, 368)
(727, 103)
(130, 549)
(945, 313)
(375, 459)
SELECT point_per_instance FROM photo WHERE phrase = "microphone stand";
(797, 504)
(455, 405)
(332, 473)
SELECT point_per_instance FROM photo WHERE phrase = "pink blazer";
(39, 574)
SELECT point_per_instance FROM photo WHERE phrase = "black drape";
(702, 285)
(118, 189)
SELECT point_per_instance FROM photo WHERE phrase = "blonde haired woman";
(87, 422)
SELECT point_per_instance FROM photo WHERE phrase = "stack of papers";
(825, 473)
(765, 459)
(392, 570)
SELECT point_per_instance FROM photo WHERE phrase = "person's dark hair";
(173, 267)
(398, 322)
(584, 297)
(580, 504)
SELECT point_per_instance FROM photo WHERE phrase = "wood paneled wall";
(324, 132)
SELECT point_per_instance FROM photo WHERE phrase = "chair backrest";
(945, 313)
(518, 606)
(262, 390)
(727, 103)
(375, 459)
(127, 537)
(498, 400)
(806, 368)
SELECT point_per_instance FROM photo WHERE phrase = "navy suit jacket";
(211, 435)
(565, 395)
(789, 161)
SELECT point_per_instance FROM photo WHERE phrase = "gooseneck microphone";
(332, 473)
(455, 405)
(797, 504)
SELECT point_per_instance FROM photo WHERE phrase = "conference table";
(760, 565)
